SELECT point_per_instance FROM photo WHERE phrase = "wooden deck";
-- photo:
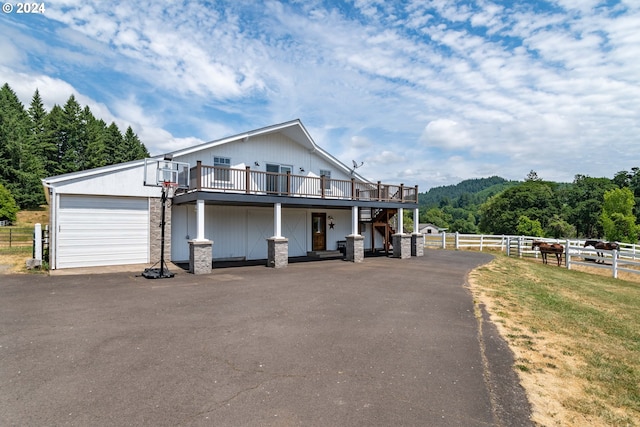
(247, 181)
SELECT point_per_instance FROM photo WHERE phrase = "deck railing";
(247, 181)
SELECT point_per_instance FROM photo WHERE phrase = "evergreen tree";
(40, 141)
(35, 145)
(73, 142)
(56, 136)
(96, 152)
(114, 145)
(134, 148)
(21, 169)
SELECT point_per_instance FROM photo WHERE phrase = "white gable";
(286, 144)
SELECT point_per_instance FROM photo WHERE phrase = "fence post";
(457, 240)
(519, 246)
(481, 241)
(508, 245)
(37, 242)
(614, 264)
(567, 257)
(444, 240)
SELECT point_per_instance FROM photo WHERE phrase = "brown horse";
(604, 246)
(549, 248)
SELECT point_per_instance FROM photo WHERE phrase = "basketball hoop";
(169, 188)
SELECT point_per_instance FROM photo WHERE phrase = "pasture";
(576, 339)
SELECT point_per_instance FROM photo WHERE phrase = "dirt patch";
(13, 263)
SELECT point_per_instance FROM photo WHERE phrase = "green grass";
(16, 250)
(592, 318)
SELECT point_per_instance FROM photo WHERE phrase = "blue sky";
(423, 92)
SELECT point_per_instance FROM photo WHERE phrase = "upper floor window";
(221, 172)
(327, 178)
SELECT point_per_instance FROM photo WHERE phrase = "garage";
(101, 230)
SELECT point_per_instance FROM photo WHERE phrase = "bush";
(8, 206)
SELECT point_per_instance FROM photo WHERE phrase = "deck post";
(247, 179)
(199, 175)
(353, 188)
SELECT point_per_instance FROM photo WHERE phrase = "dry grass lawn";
(14, 261)
(575, 338)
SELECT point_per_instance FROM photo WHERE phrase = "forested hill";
(473, 191)
(35, 144)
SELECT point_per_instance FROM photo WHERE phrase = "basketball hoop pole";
(162, 272)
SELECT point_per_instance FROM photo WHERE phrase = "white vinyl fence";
(627, 258)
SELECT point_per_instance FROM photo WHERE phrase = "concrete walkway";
(387, 342)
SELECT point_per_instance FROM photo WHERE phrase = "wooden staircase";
(381, 221)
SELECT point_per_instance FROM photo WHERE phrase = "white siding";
(260, 228)
(273, 148)
(295, 226)
(95, 231)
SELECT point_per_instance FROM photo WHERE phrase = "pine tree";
(21, 169)
(73, 143)
(96, 152)
(56, 136)
(114, 144)
(35, 144)
(134, 148)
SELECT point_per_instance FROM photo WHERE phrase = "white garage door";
(94, 231)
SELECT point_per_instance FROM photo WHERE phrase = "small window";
(327, 176)
(221, 172)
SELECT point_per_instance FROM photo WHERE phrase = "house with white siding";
(268, 194)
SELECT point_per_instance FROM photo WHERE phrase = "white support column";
(354, 221)
(400, 221)
(416, 217)
(355, 242)
(200, 221)
(277, 220)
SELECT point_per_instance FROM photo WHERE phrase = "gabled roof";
(293, 129)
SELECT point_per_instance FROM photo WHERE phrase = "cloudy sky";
(426, 92)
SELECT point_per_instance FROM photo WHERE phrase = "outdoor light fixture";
(168, 157)
(301, 169)
(256, 163)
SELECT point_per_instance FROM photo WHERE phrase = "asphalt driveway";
(331, 343)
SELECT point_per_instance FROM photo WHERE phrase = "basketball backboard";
(158, 171)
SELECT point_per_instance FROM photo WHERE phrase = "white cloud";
(410, 88)
(448, 134)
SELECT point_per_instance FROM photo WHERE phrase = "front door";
(319, 231)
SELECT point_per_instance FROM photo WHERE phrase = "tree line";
(588, 207)
(36, 144)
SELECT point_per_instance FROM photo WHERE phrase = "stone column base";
(401, 245)
(417, 244)
(278, 252)
(355, 248)
(200, 256)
